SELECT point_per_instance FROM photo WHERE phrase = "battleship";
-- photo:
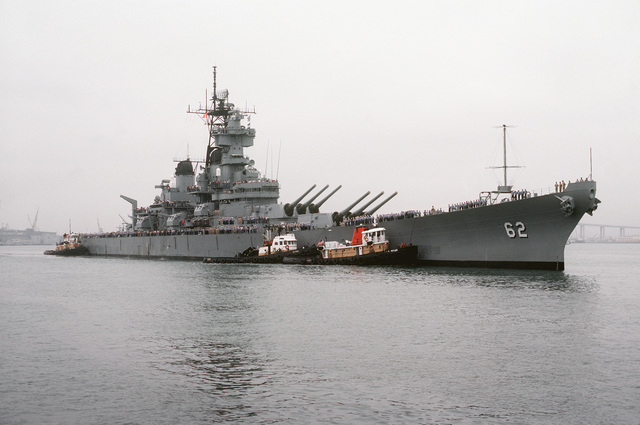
(230, 206)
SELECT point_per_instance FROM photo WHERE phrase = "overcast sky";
(373, 95)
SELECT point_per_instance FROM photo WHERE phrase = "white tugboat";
(280, 244)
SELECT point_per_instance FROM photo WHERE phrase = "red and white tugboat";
(366, 247)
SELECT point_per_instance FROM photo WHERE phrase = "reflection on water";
(224, 379)
(499, 278)
(517, 279)
(221, 368)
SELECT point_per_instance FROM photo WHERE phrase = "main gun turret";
(290, 208)
(362, 208)
(302, 208)
(315, 208)
(339, 216)
(377, 207)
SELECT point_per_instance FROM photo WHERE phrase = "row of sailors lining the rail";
(398, 216)
(467, 205)
(520, 194)
(279, 229)
(175, 232)
(289, 227)
(216, 230)
(370, 220)
(227, 184)
(167, 204)
(433, 211)
(243, 220)
(232, 220)
(222, 230)
(561, 186)
(359, 220)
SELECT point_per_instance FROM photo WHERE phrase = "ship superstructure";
(229, 189)
(223, 205)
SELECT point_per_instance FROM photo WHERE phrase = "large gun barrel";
(302, 208)
(315, 208)
(289, 208)
(346, 210)
(362, 208)
(377, 207)
(339, 216)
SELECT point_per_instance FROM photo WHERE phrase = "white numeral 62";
(519, 230)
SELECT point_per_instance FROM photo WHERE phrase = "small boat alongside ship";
(273, 251)
(71, 245)
(366, 247)
(280, 244)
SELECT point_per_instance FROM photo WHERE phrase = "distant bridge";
(602, 227)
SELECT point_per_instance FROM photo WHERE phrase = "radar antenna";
(216, 113)
(215, 70)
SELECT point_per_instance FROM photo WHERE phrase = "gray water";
(123, 341)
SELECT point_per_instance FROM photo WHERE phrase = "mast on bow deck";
(506, 188)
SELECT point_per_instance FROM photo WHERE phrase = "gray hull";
(528, 233)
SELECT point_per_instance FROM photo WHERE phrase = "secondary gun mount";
(290, 208)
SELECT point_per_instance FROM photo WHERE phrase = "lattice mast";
(216, 114)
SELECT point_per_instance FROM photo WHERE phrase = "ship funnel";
(302, 208)
(315, 208)
(289, 208)
(362, 208)
(377, 207)
(339, 216)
